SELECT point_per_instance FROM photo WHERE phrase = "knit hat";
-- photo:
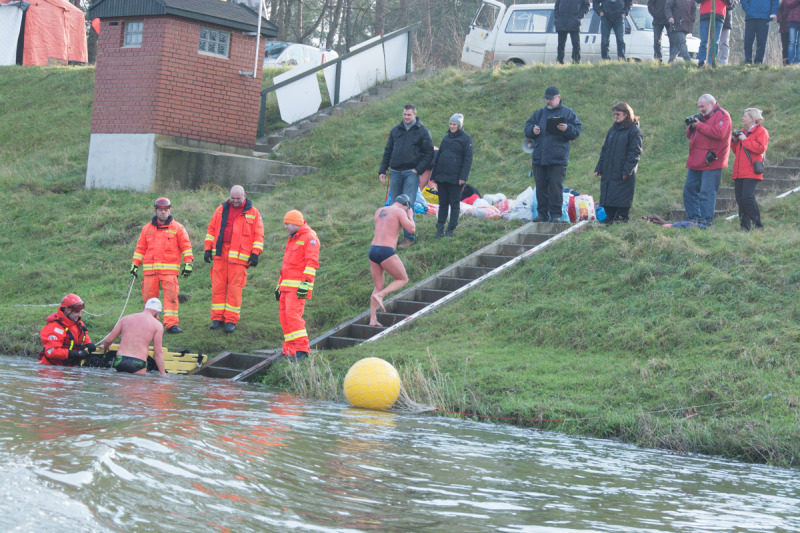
(294, 217)
(154, 304)
(458, 118)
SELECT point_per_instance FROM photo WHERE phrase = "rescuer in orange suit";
(235, 239)
(162, 244)
(65, 339)
(300, 263)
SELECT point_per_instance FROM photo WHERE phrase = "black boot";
(439, 231)
(449, 232)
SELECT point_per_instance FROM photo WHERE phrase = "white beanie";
(458, 118)
(154, 304)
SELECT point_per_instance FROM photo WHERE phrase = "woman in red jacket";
(749, 145)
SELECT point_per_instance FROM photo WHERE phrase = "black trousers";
(616, 214)
(449, 200)
(745, 190)
(549, 181)
(562, 44)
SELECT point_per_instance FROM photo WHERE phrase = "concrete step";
(779, 184)
(791, 162)
(493, 260)
(781, 172)
(447, 283)
(472, 272)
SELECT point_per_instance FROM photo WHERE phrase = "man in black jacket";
(552, 128)
(656, 8)
(409, 153)
(612, 15)
(568, 15)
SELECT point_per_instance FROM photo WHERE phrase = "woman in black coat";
(619, 159)
(450, 172)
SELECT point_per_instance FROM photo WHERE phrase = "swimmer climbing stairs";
(412, 303)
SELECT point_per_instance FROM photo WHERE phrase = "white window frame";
(135, 36)
(213, 39)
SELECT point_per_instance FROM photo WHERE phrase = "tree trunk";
(299, 23)
(334, 27)
(380, 16)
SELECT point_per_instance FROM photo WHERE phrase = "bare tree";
(380, 16)
(334, 25)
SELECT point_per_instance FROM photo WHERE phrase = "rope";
(130, 288)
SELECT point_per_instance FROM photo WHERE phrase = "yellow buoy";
(372, 383)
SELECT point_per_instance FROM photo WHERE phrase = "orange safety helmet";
(162, 203)
(72, 302)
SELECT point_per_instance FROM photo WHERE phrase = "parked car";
(525, 33)
(283, 54)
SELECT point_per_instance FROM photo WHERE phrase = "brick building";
(172, 76)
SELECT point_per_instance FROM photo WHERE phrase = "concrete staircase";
(445, 286)
(777, 179)
(268, 145)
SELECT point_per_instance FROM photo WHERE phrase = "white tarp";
(10, 23)
(300, 98)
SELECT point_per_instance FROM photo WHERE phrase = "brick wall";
(167, 87)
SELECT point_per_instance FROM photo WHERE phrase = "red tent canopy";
(54, 29)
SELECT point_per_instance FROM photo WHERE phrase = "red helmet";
(163, 203)
(72, 302)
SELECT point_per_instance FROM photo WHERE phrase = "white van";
(525, 33)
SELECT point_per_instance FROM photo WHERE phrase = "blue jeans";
(612, 22)
(755, 30)
(700, 194)
(794, 43)
(404, 182)
(703, 51)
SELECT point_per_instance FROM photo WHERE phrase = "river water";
(91, 450)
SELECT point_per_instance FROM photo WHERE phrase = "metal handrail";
(338, 62)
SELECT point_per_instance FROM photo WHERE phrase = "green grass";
(616, 331)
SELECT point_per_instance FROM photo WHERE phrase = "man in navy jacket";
(551, 152)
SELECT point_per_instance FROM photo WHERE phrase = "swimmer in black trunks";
(382, 256)
(137, 332)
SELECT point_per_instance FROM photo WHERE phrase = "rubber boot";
(439, 231)
(449, 232)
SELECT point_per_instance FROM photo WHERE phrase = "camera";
(696, 116)
(735, 134)
(710, 156)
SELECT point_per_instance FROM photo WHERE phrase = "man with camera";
(709, 133)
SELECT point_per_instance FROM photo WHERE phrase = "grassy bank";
(617, 331)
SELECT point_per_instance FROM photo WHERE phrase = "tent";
(41, 32)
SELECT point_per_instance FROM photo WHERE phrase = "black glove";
(253, 260)
(186, 270)
(134, 270)
(278, 292)
(207, 256)
(78, 354)
(90, 347)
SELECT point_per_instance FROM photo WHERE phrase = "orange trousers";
(295, 338)
(169, 283)
(227, 282)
